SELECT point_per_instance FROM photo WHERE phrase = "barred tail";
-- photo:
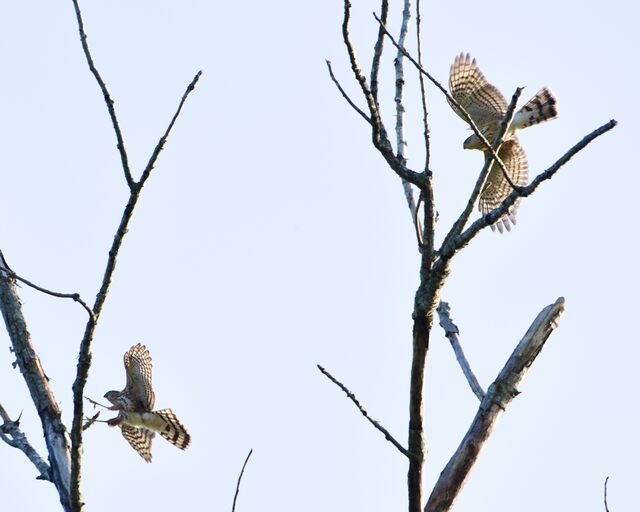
(173, 431)
(542, 107)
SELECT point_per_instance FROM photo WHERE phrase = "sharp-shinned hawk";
(136, 417)
(487, 107)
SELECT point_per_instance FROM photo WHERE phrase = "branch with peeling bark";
(55, 432)
(451, 332)
(498, 396)
(11, 434)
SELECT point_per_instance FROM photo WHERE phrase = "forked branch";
(500, 394)
(11, 434)
(135, 189)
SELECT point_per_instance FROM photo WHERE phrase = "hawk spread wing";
(486, 106)
(468, 86)
(139, 438)
(137, 364)
(497, 188)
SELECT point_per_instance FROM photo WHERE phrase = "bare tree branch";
(345, 95)
(75, 296)
(499, 395)
(377, 51)
(55, 432)
(451, 332)
(107, 98)
(488, 147)
(401, 143)
(11, 434)
(379, 134)
(84, 357)
(160, 146)
(423, 95)
(465, 237)
(462, 220)
(375, 423)
(235, 496)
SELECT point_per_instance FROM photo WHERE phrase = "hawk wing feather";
(140, 440)
(468, 86)
(137, 364)
(497, 188)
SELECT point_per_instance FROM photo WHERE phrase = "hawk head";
(119, 400)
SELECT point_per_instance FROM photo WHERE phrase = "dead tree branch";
(345, 95)
(435, 265)
(107, 98)
(364, 412)
(235, 496)
(55, 432)
(379, 133)
(377, 51)
(451, 332)
(492, 149)
(135, 188)
(458, 242)
(606, 505)
(11, 434)
(401, 143)
(500, 394)
(74, 296)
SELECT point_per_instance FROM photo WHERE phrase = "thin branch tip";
(235, 496)
(351, 396)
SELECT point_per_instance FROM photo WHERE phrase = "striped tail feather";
(542, 107)
(173, 431)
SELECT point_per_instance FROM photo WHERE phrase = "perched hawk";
(136, 417)
(486, 106)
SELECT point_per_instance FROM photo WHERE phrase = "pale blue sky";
(272, 237)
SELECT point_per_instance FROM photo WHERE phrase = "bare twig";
(74, 296)
(379, 134)
(235, 496)
(606, 505)
(11, 434)
(377, 51)
(376, 424)
(345, 95)
(94, 403)
(399, 68)
(488, 146)
(90, 421)
(498, 396)
(423, 94)
(459, 224)
(451, 332)
(107, 98)
(160, 146)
